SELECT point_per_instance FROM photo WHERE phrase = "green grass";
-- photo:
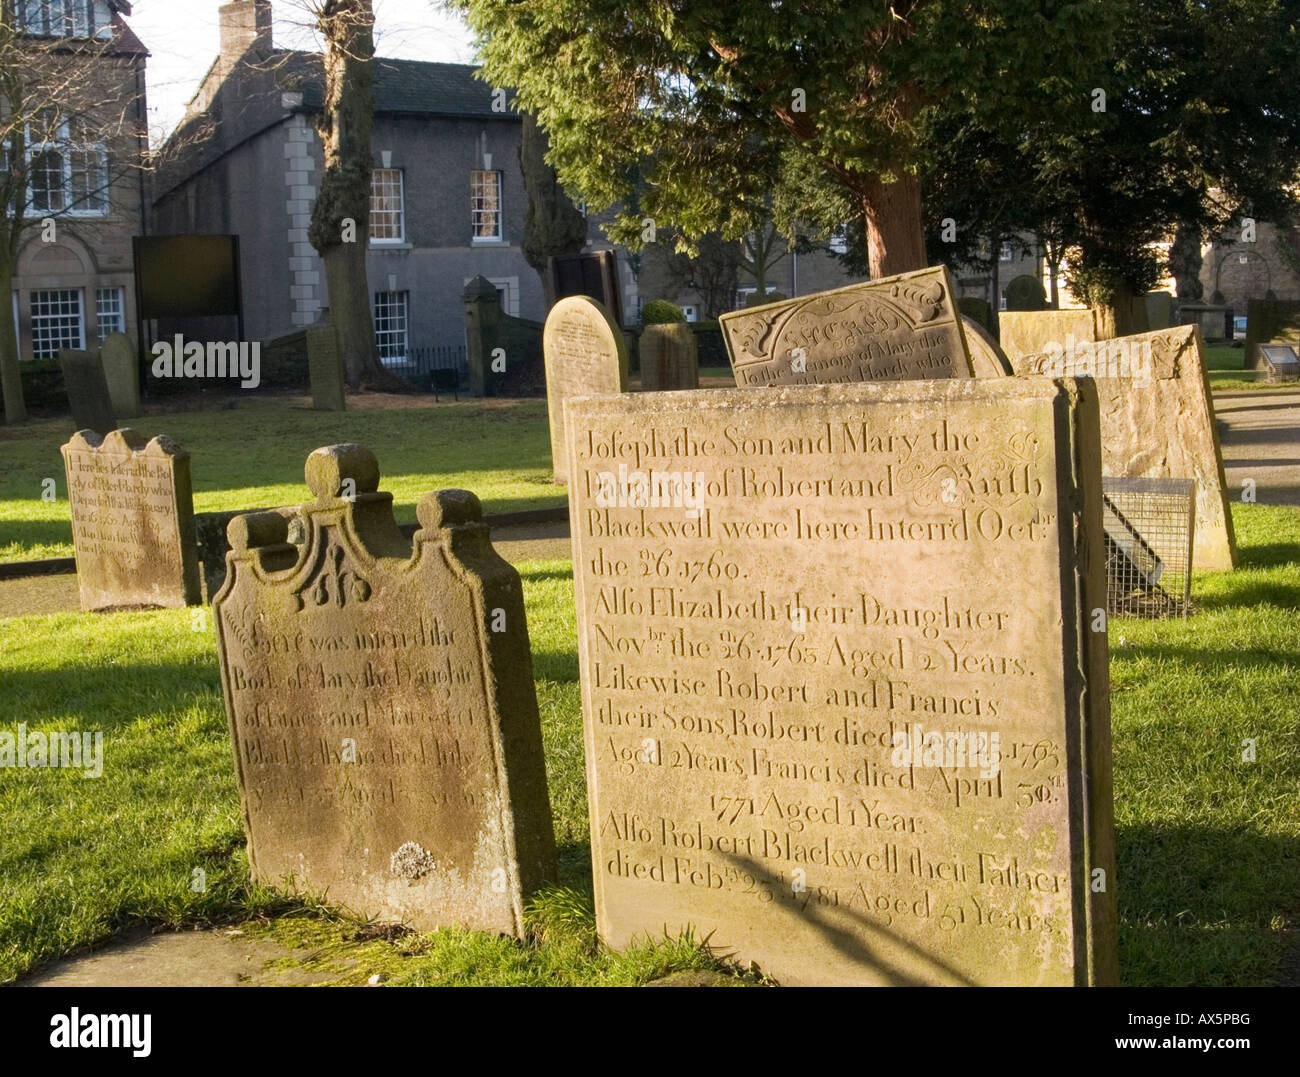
(252, 457)
(1226, 366)
(1208, 845)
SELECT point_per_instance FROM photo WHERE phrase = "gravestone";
(1157, 420)
(770, 588)
(670, 357)
(1280, 362)
(121, 371)
(380, 697)
(1270, 320)
(987, 359)
(586, 355)
(325, 369)
(1159, 308)
(1025, 293)
(132, 520)
(1031, 332)
(87, 388)
(892, 329)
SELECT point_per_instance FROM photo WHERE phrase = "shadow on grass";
(29, 533)
(40, 695)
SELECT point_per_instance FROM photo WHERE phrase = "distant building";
(447, 193)
(72, 284)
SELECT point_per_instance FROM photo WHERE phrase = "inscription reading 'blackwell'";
(892, 329)
(831, 643)
(386, 737)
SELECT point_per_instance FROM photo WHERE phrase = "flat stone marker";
(132, 520)
(380, 697)
(1029, 332)
(987, 358)
(122, 372)
(771, 646)
(325, 369)
(1157, 421)
(585, 355)
(1280, 362)
(88, 395)
(892, 329)
(670, 357)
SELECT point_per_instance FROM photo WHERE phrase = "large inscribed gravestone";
(1157, 421)
(1028, 332)
(843, 709)
(87, 388)
(380, 697)
(122, 372)
(892, 329)
(132, 520)
(585, 355)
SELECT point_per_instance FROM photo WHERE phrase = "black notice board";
(187, 276)
(592, 273)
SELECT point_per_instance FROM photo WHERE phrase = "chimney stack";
(245, 24)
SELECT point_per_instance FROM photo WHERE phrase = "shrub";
(661, 312)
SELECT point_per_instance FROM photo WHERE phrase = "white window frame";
(114, 311)
(478, 194)
(692, 312)
(376, 207)
(391, 311)
(67, 149)
(1007, 252)
(40, 321)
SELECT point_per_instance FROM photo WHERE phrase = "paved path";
(1260, 434)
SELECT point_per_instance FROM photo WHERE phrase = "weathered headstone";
(670, 357)
(122, 372)
(784, 599)
(1157, 420)
(1280, 362)
(586, 355)
(1270, 320)
(132, 520)
(380, 697)
(1159, 310)
(1026, 293)
(892, 329)
(87, 388)
(987, 359)
(1033, 331)
(325, 369)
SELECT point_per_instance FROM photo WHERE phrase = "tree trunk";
(552, 223)
(1185, 263)
(10, 376)
(895, 236)
(347, 27)
(1118, 317)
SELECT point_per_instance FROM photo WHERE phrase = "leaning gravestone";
(987, 358)
(132, 520)
(380, 698)
(325, 369)
(87, 388)
(122, 372)
(1025, 293)
(1157, 421)
(585, 355)
(1030, 332)
(892, 329)
(845, 697)
(670, 357)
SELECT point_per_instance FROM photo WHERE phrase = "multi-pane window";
(110, 312)
(1006, 252)
(485, 204)
(387, 221)
(67, 169)
(57, 322)
(390, 326)
(64, 18)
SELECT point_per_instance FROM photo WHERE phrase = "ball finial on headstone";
(329, 467)
(446, 508)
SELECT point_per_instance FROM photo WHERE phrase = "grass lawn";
(1226, 367)
(252, 457)
(1208, 845)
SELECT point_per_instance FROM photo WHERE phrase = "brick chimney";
(245, 24)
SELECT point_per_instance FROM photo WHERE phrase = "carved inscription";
(827, 714)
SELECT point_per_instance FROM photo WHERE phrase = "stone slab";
(893, 329)
(670, 357)
(987, 358)
(1029, 332)
(132, 511)
(88, 394)
(122, 371)
(1157, 421)
(325, 369)
(839, 567)
(585, 355)
(380, 697)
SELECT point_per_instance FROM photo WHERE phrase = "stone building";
(447, 197)
(87, 190)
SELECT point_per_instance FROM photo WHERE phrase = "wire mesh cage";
(1148, 526)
